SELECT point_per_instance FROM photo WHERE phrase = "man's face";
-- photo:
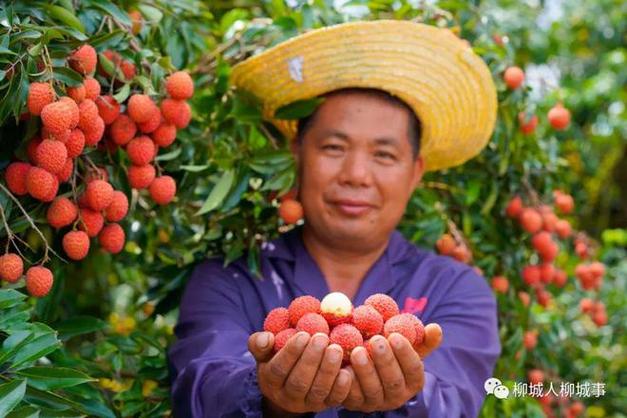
(357, 170)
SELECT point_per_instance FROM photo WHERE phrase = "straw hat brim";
(437, 74)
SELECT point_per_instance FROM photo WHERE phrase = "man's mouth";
(352, 207)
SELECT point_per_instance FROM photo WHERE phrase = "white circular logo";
(501, 392)
(491, 384)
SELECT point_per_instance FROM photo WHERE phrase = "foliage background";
(96, 345)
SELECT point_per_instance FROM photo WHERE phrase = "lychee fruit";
(446, 244)
(312, 323)
(559, 117)
(76, 245)
(547, 271)
(94, 133)
(346, 336)
(90, 221)
(141, 150)
(128, 70)
(302, 305)
(384, 304)
(41, 184)
(141, 177)
(164, 135)
(527, 125)
(108, 109)
(77, 93)
(402, 325)
(140, 107)
(461, 253)
(500, 284)
(39, 281)
(122, 130)
(92, 88)
(524, 298)
(136, 21)
(51, 155)
(531, 220)
(514, 207)
(99, 194)
(549, 254)
(11, 267)
(60, 116)
(39, 96)
(179, 85)
(367, 320)
(66, 172)
(88, 112)
(530, 339)
(112, 238)
(531, 275)
(118, 208)
(560, 278)
(336, 308)
(277, 320)
(31, 148)
(84, 59)
(152, 123)
(75, 143)
(281, 338)
(291, 211)
(564, 203)
(513, 77)
(418, 327)
(61, 212)
(15, 176)
(177, 112)
(535, 376)
(162, 190)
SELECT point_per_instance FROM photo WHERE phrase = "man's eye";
(332, 147)
(386, 155)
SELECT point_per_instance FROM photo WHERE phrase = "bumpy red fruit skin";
(346, 336)
(90, 221)
(94, 133)
(38, 281)
(281, 338)
(402, 325)
(277, 320)
(108, 109)
(177, 112)
(384, 304)
(84, 60)
(99, 194)
(152, 123)
(118, 208)
(291, 211)
(122, 130)
(77, 93)
(15, 176)
(531, 220)
(531, 275)
(60, 116)
(367, 320)
(141, 177)
(312, 323)
(88, 112)
(76, 245)
(179, 85)
(302, 305)
(65, 174)
(75, 143)
(92, 88)
(11, 267)
(51, 155)
(61, 212)
(162, 190)
(112, 238)
(141, 150)
(41, 184)
(418, 327)
(39, 95)
(164, 135)
(140, 107)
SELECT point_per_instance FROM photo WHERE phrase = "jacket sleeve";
(213, 374)
(456, 371)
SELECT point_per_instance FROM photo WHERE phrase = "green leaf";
(151, 14)
(50, 378)
(10, 297)
(11, 394)
(195, 168)
(79, 325)
(67, 75)
(298, 109)
(218, 193)
(123, 94)
(65, 16)
(113, 10)
(169, 156)
(25, 412)
(37, 348)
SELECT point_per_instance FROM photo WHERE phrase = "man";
(359, 157)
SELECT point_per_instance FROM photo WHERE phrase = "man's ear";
(419, 170)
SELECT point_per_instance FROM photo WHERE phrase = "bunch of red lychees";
(346, 326)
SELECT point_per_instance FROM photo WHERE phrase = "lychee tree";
(108, 243)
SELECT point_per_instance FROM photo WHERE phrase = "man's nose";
(356, 169)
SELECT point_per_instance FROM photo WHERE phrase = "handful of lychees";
(345, 325)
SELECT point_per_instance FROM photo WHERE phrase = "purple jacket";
(214, 375)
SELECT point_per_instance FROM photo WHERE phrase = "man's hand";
(304, 376)
(393, 375)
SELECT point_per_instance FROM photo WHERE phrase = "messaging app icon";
(494, 386)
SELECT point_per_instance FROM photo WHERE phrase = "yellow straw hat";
(437, 74)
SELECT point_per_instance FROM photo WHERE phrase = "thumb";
(260, 345)
(433, 338)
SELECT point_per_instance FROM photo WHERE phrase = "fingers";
(433, 338)
(388, 369)
(301, 377)
(355, 398)
(276, 371)
(341, 388)
(260, 346)
(326, 376)
(409, 361)
(368, 377)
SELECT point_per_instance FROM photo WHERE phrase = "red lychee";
(384, 304)
(559, 117)
(84, 59)
(177, 112)
(77, 93)
(99, 194)
(41, 184)
(141, 177)
(281, 338)
(152, 123)
(402, 325)
(531, 220)
(66, 172)
(162, 190)
(141, 150)
(122, 130)
(39, 281)
(61, 212)
(513, 77)
(118, 208)
(531, 275)
(179, 85)
(312, 323)
(112, 238)
(277, 320)
(302, 305)
(92, 88)
(90, 221)
(500, 284)
(291, 211)
(60, 116)
(140, 108)
(15, 176)
(514, 207)
(76, 245)
(164, 135)
(51, 155)
(11, 267)
(108, 109)
(346, 336)
(94, 133)
(75, 143)
(39, 96)
(367, 320)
